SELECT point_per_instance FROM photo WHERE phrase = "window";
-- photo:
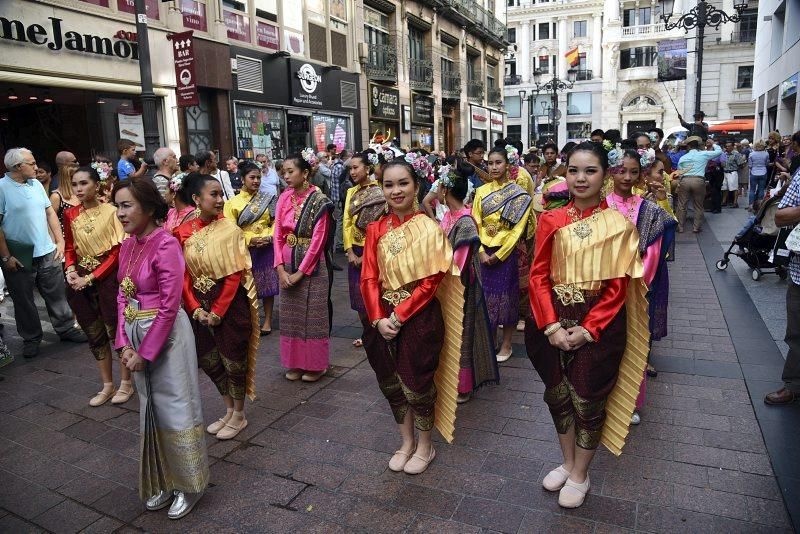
(582, 62)
(629, 17)
(472, 68)
(512, 35)
(510, 68)
(579, 130)
(641, 56)
(747, 26)
(544, 64)
(416, 46)
(644, 16)
(338, 9)
(514, 132)
(235, 4)
(579, 103)
(544, 30)
(744, 77)
(579, 28)
(512, 104)
(292, 14)
(267, 9)
(375, 27)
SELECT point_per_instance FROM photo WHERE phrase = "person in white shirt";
(270, 181)
(207, 160)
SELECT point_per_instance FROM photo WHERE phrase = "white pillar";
(678, 7)
(524, 51)
(562, 48)
(611, 9)
(597, 46)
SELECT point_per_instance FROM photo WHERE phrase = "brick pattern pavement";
(314, 457)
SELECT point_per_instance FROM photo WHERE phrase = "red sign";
(238, 26)
(183, 52)
(194, 15)
(150, 7)
(268, 36)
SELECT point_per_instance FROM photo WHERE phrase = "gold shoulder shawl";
(415, 250)
(217, 251)
(97, 232)
(610, 250)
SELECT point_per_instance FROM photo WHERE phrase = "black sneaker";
(75, 336)
(30, 349)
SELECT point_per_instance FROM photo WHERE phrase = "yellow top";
(525, 181)
(217, 250)
(352, 235)
(263, 227)
(96, 231)
(664, 204)
(492, 231)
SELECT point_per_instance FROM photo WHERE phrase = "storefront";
(479, 123)
(422, 121)
(496, 125)
(318, 106)
(69, 80)
(384, 112)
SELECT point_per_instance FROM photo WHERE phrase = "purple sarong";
(354, 279)
(501, 289)
(264, 273)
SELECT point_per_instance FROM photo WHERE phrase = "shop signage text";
(268, 36)
(479, 117)
(183, 53)
(496, 121)
(384, 103)
(305, 85)
(421, 109)
(55, 39)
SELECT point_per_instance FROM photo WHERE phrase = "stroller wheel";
(756, 274)
(722, 265)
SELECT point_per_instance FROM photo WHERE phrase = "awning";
(736, 125)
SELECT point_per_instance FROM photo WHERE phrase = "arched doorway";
(641, 112)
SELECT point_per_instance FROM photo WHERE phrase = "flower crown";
(653, 137)
(308, 155)
(608, 146)
(513, 154)
(258, 164)
(176, 182)
(103, 170)
(373, 158)
(615, 155)
(646, 157)
(447, 176)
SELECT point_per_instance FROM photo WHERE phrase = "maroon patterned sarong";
(95, 309)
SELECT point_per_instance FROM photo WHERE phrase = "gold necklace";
(298, 206)
(629, 212)
(200, 242)
(88, 226)
(126, 285)
(581, 228)
(396, 238)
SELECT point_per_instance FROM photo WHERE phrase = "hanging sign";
(183, 53)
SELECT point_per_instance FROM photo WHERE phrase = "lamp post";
(148, 98)
(554, 86)
(702, 16)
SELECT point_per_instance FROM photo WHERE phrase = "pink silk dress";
(461, 254)
(175, 217)
(308, 350)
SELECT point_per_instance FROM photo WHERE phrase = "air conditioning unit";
(234, 65)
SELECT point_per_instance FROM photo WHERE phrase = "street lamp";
(554, 86)
(702, 16)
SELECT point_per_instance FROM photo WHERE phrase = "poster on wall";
(194, 15)
(338, 9)
(131, 128)
(238, 26)
(294, 42)
(672, 60)
(496, 121)
(268, 36)
(150, 7)
(329, 129)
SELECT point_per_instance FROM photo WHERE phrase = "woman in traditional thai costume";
(156, 342)
(92, 236)
(363, 204)
(220, 296)
(501, 210)
(254, 211)
(302, 229)
(656, 235)
(588, 339)
(181, 208)
(414, 302)
(478, 363)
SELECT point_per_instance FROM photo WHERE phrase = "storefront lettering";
(57, 39)
(308, 78)
(384, 103)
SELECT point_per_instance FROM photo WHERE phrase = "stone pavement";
(314, 457)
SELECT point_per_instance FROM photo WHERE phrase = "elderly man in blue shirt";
(693, 182)
(28, 254)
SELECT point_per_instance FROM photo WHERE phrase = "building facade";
(431, 71)
(777, 62)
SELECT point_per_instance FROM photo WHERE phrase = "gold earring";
(197, 211)
(416, 204)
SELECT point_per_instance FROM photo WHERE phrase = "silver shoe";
(159, 501)
(183, 504)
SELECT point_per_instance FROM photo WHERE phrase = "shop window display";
(259, 130)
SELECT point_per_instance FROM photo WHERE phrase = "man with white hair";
(167, 163)
(28, 255)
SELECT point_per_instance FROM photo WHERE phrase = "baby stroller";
(756, 241)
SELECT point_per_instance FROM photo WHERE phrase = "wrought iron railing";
(746, 36)
(475, 89)
(514, 79)
(494, 96)
(451, 84)
(420, 74)
(583, 75)
(381, 62)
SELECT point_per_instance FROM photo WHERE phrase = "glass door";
(298, 128)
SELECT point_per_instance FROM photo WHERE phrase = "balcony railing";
(515, 79)
(451, 84)
(381, 63)
(583, 75)
(494, 96)
(475, 90)
(472, 15)
(747, 36)
(420, 74)
(643, 29)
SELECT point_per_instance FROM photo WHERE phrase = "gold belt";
(569, 294)
(89, 263)
(203, 284)
(131, 314)
(292, 240)
(396, 296)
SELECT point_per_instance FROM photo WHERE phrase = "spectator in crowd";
(759, 161)
(714, 177)
(597, 136)
(698, 128)
(789, 214)
(613, 135)
(232, 166)
(693, 181)
(62, 196)
(660, 155)
(167, 163)
(337, 173)
(474, 151)
(744, 149)
(732, 162)
(125, 167)
(29, 256)
(322, 174)
(270, 178)
(207, 160)
(187, 163)
(331, 150)
(45, 178)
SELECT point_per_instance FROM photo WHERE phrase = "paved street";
(314, 457)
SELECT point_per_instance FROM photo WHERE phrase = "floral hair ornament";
(420, 164)
(608, 146)
(176, 183)
(653, 137)
(447, 176)
(103, 169)
(308, 155)
(373, 158)
(513, 154)
(646, 157)
(258, 164)
(615, 156)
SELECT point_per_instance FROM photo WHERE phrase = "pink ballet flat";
(555, 479)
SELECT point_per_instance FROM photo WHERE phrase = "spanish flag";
(573, 57)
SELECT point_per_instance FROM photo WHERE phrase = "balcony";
(381, 63)
(746, 36)
(583, 75)
(420, 74)
(643, 31)
(479, 21)
(515, 79)
(475, 90)
(494, 96)
(451, 85)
